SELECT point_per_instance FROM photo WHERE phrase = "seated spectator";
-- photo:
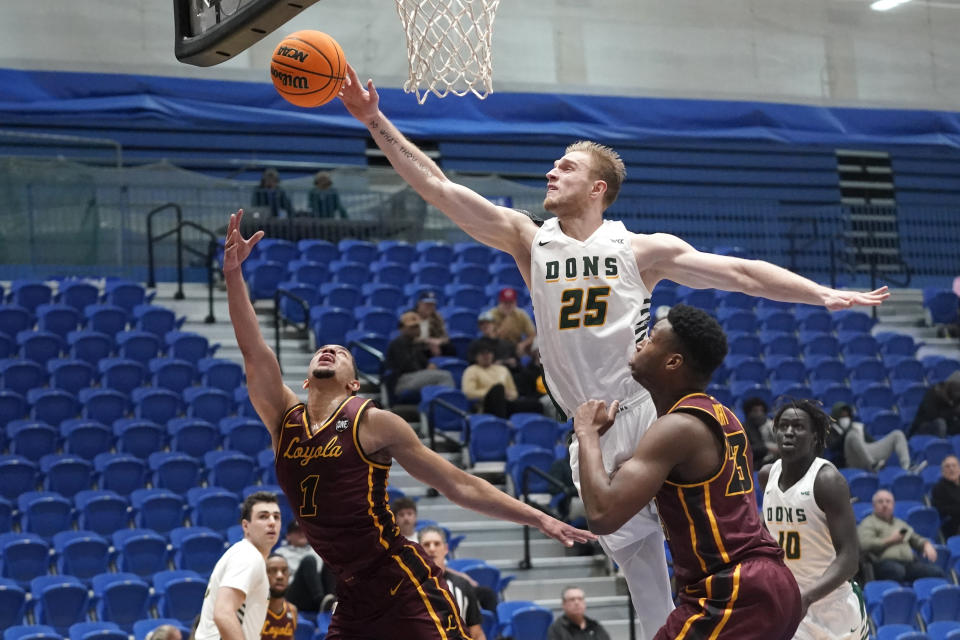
(165, 632)
(270, 196)
(433, 330)
(530, 383)
(759, 429)
(504, 351)
(939, 411)
(890, 543)
(313, 586)
(493, 386)
(573, 623)
(512, 323)
(324, 199)
(405, 513)
(862, 452)
(434, 542)
(408, 358)
(945, 496)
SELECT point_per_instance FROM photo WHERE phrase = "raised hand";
(564, 532)
(236, 249)
(836, 300)
(363, 104)
(593, 416)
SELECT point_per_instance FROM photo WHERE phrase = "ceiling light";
(886, 5)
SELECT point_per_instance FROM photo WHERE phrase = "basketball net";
(448, 44)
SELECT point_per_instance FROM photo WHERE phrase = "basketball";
(308, 68)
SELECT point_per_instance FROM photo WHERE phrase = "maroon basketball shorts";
(405, 599)
(755, 600)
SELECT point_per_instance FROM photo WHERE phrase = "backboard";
(207, 32)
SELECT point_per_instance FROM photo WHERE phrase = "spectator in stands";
(239, 579)
(574, 624)
(504, 352)
(281, 622)
(270, 196)
(434, 542)
(861, 451)
(408, 358)
(939, 411)
(759, 429)
(889, 543)
(324, 199)
(529, 380)
(493, 386)
(945, 496)
(165, 632)
(433, 330)
(313, 586)
(512, 323)
(405, 513)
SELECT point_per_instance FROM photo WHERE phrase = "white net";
(448, 43)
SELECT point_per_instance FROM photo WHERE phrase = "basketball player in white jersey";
(806, 507)
(590, 280)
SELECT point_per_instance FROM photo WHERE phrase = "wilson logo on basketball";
(289, 80)
(290, 52)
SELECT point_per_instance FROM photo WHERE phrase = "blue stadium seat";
(430, 273)
(783, 321)
(460, 320)
(66, 474)
(474, 275)
(52, 406)
(735, 300)
(507, 275)
(59, 319)
(123, 598)
(231, 470)
(376, 320)
(542, 432)
(196, 548)
(505, 611)
(142, 552)
(876, 395)
(17, 475)
(862, 487)
(936, 450)
(101, 511)
(185, 345)
(142, 346)
(125, 294)
(208, 403)
(309, 273)
(529, 455)
(941, 604)
(907, 486)
(31, 632)
(158, 509)
(866, 372)
(40, 346)
(265, 462)
(13, 406)
(387, 296)
(357, 251)
(897, 606)
(338, 295)
(121, 374)
(814, 319)
(392, 273)
(456, 366)
(472, 253)
(431, 251)
(278, 250)
(7, 516)
(120, 472)
(241, 398)
(21, 375)
(318, 250)
(817, 347)
(894, 631)
(105, 318)
(943, 630)
(780, 348)
(925, 521)
(31, 439)
(79, 294)
(396, 251)
(96, 631)
(14, 319)
(44, 512)
(71, 374)
(12, 603)
(349, 272)
(530, 623)
(700, 298)
(489, 438)
(89, 346)
(246, 435)
(83, 554)
(30, 294)
(23, 557)
(291, 309)
(179, 594)
(939, 368)
(264, 278)
(467, 296)
(330, 324)
(367, 362)
(8, 347)
(156, 405)
(858, 347)
(443, 418)
(103, 405)
(156, 320)
(174, 471)
(59, 601)
(173, 374)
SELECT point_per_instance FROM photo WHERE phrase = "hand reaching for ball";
(363, 104)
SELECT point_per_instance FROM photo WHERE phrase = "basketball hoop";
(448, 44)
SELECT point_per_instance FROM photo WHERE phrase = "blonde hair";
(607, 166)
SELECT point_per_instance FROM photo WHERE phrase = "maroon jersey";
(279, 626)
(714, 524)
(338, 494)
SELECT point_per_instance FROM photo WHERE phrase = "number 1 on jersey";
(594, 311)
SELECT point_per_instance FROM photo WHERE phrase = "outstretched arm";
(832, 495)
(498, 227)
(269, 396)
(662, 256)
(612, 500)
(391, 435)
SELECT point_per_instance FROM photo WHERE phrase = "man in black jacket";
(409, 361)
(574, 624)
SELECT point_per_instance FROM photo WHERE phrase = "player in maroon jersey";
(731, 578)
(333, 456)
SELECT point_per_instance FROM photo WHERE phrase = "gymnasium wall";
(835, 52)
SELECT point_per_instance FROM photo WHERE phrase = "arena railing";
(375, 380)
(279, 319)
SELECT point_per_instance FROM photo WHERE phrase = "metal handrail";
(433, 431)
(527, 562)
(151, 279)
(376, 353)
(283, 293)
(210, 260)
(82, 140)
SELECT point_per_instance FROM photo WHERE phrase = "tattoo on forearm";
(393, 140)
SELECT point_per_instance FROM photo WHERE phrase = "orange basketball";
(308, 68)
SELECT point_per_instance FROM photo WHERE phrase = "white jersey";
(591, 309)
(242, 567)
(799, 524)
